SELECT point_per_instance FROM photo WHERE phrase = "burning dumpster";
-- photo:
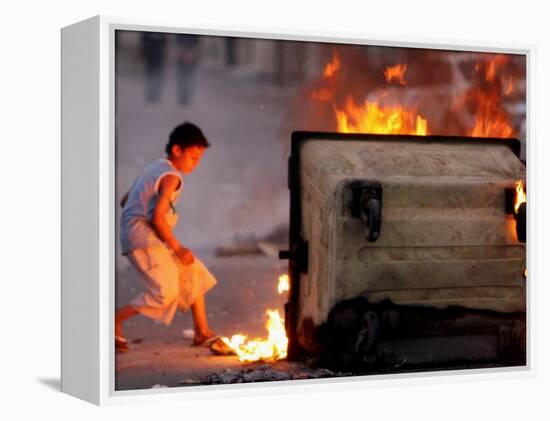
(406, 248)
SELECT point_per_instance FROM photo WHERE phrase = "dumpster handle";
(371, 215)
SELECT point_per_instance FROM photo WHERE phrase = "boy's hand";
(185, 255)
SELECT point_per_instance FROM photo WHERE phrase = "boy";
(174, 278)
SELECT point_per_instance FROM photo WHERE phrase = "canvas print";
(292, 210)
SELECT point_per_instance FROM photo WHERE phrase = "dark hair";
(186, 135)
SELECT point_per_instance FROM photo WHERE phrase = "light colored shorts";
(169, 285)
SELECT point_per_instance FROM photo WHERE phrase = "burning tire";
(350, 336)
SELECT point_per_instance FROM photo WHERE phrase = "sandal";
(121, 344)
(220, 347)
(206, 341)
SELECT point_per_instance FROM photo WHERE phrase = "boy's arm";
(168, 185)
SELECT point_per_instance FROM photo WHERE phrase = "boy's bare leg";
(202, 332)
(123, 314)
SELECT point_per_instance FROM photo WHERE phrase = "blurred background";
(248, 95)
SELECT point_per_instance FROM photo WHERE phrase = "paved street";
(246, 287)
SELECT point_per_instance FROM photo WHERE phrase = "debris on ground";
(268, 245)
(188, 333)
(264, 373)
(238, 250)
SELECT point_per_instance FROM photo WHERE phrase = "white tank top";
(135, 221)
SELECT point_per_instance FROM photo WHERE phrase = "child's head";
(186, 146)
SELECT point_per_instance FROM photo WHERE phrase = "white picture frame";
(88, 210)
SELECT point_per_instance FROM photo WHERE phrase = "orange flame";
(332, 67)
(323, 94)
(509, 86)
(521, 197)
(396, 72)
(373, 118)
(272, 348)
(326, 93)
(484, 100)
(283, 284)
(493, 66)
(491, 120)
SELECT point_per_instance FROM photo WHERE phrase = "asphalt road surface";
(247, 286)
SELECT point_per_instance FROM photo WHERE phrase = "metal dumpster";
(397, 236)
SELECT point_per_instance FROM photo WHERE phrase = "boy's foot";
(220, 347)
(204, 338)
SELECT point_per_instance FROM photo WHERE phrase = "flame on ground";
(396, 72)
(283, 284)
(272, 348)
(374, 118)
(521, 197)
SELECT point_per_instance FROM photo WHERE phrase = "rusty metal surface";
(445, 238)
